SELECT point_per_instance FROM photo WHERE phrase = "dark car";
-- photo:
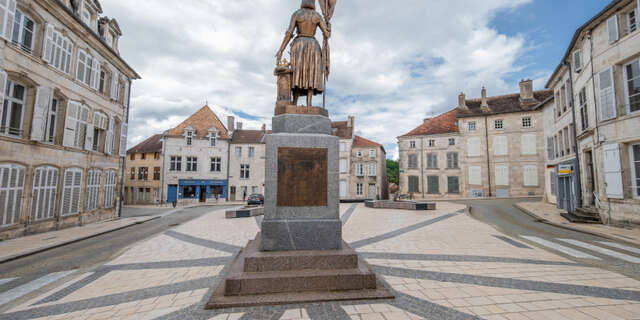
(256, 199)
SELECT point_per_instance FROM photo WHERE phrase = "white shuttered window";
(607, 94)
(474, 147)
(530, 175)
(502, 175)
(109, 189)
(42, 107)
(500, 146)
(613, 171)
(475, 176)
(7, 15)
(57, 50)
(123, 140)
(343, 166)
(45, 190)
(612, 29)
(93, 188)
(372, 170)
(71, 192)
(528, 144)
(11, 191)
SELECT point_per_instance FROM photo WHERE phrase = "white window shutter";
(475, 176)
(607, 94)
(577, 60)
(114, 84)
(108, 145)
(502, 175)
(612, 29)
(123, 140)
(3, 86)
(473, 147)
(528, 144)
(88, 138)
(95, 73)
(125, 98)
(500, 146)
(47, 45)
(73, 110)
(530, 173)
(9, 15)
(41, 109)
(613, 171)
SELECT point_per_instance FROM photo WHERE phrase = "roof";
(576, 36)
(342, 130)
(152, 144)
(504, 104)
(360, 142)
(248, 136)
(203, 120)
(444, 123)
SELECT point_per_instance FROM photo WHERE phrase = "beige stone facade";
(143, 173)
(599, 74)
(64, 123)
(247, 159)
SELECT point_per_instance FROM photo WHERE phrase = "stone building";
(598, 79)
(65, 105)
(368, 172)
(143, 172)
(487, 147)
(195, 157)
(344, 131)
(246, 162)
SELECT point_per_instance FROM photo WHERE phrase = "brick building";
(143, 172)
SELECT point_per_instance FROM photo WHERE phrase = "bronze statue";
(309, 62)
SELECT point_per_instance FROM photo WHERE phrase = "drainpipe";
(596, 136)
(228, 165)
(486, 136)
(162, 168)
(124, 159)
(575, 140)
(422, 164)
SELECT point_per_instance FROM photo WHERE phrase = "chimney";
(462, 101)
(239, 125)
(350, 121)
(526, 90)
(230, 121)
(264, 127)
(485, 105)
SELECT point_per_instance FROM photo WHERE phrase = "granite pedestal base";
(285, 277)
(245, 212)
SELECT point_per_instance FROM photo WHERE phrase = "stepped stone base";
(245, 212)
(268, 278)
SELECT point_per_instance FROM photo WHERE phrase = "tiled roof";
(201, 121)
(248, 136)
(153, 144)
(360, 142)
(342, 130)
(444, 123)
(504, 104)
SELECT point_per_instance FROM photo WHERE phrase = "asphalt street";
(85, 254)
(580, 247)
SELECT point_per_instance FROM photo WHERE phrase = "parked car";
(256, 199)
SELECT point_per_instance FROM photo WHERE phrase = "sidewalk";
(548, 213)
(20, 247)
(190, 205)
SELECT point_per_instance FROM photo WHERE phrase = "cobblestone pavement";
(441, 264)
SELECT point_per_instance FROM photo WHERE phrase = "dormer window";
(86, 16)
(189, 138)
(213, 136)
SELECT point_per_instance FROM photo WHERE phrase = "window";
(100, 125)
(552, 182)
(51, 122)
(132, 175)
(632, 20)
(567, 142)
(143, 156)
(452, 141)
(252, 152)
(343, 147)
(474, 147)
(93, 188)
(528, 144)
(635, 169)
(452, 160)
(57, 50)
(103, 82)
(432, 161)
(189, 138)
(498, 124)
(632, 78)
(453, 184)
(359, 169)
(530, 175)
(613, 171)
(550, 148)
(343, 166)
(372, 170)
(433, 185)
(192, 164)
(11, 191)
(216, 164)
(413, 161)
(359, 154)
(432, 143)
(188, 192)
(239, 152)
(372, 153)
(607, 94)
(156, 156)
(556, 146)
(143, 173)
(13, 109)
(475, 175)
(156, 173)
(359, 190)
(88, 69)
(86, 16)
(584, 113)
(612, 29)
(175, 164)
(526, 122)
(500, 145)
(412, 144)
(577, 61)
(414, 184)
(213, 139)
(472, 126)
(132, 156)
(244, 171)
(23, 31)
(110, 180)
(502, 175)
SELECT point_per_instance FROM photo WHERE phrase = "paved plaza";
(441, 264)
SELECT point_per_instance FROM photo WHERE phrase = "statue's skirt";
(307, 65)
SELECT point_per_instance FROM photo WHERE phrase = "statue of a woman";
(307, 61)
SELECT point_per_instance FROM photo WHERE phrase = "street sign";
(565, 170)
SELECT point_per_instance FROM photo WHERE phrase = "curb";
(57, 245)
(593, 233)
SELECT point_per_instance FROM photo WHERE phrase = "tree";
(393, 171)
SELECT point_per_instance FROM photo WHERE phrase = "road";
(588, 249)
(85, 254)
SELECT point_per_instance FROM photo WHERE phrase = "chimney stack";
(239, 125)
(230, 121)
(350, 121)
(485, 104)
(526, 90)
(462, 101)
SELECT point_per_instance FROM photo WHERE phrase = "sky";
(393, 62)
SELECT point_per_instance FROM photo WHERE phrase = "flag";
(327, 7)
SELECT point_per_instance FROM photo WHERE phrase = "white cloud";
(393, 62)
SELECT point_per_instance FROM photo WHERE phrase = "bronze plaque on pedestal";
(302, 177)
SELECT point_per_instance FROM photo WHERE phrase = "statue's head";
(308, 4)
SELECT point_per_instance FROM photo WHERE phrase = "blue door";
(172, 194)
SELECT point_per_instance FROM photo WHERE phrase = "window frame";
(584, 112)
(359, 170)
(92, 189)
(472, 126)
(359, 189)
(18, 193)
(372, 153)
(191, 164)
(215, 164)
(432, 160)
(627, 95)
(453, 158)
(432, 143)
(21, 28)
(52, 122)
(633, 11)
(175, 163)
(412, 144)
(495, 124)
(452, 141)
(9, 101)
(251, 152)
(524, 121)
(245, 171)
(372, 169)
(189, 137)
(635, 175)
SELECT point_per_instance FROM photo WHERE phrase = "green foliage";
(393, 171)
